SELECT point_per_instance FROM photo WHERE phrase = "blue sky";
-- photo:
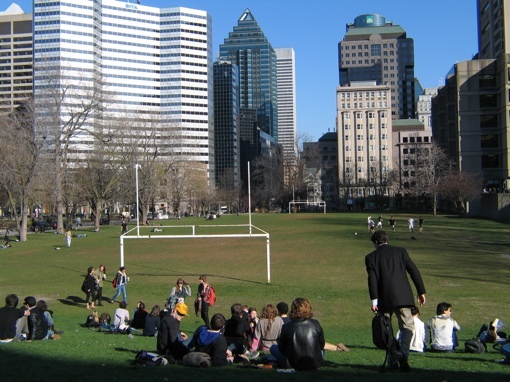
(444, 32)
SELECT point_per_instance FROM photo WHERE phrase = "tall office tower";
(226, 125)
(287, 127)
(424, 108)
(376, 50)
(248, 48)
(470, 118)
(364, 142)
(15, 58)
(493, 28)
(153, 66)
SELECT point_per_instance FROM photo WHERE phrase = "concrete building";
(154, 65)
(226, 125)
(15, 58)
(407, 136)
(376, 50)
(493, 28)
(471, 119)
(364, 143)
(286, 84)
(424, 108)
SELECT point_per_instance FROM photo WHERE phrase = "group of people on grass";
(32, 321)
(371, 226)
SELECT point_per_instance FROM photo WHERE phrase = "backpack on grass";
(145, 358)
(475, 345)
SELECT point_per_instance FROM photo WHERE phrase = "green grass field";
(317, 256)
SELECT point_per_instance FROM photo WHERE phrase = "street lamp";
(137, 208)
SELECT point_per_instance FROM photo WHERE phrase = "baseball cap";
(182, 309)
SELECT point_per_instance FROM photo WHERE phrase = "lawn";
(320, 257)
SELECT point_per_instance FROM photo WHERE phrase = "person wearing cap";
(172, 343)
(391, 293)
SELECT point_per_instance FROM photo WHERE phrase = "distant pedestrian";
(124, 226)
(411, 224)
(420, 223)
(68, 236)
(122, 280)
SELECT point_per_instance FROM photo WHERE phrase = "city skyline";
(439, 42)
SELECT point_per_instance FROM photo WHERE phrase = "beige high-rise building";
(493, 28)
(364, 142)
(424, 108)
(15, 58)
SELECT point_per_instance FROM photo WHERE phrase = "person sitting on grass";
(121, 318)
(237, 329)
(9, 315)
(419, 338)
(171, 341)
(443, 328)
(38, 326)
(152, 322)
(302, 341)
(268, 329)
(139, 316)
(212, 341)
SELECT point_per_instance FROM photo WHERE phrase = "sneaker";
(59, 332)
(112, 301)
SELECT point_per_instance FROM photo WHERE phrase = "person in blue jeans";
(122, 281)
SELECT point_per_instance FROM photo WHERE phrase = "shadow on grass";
(172, 273)
(72, 301)
(14, 360)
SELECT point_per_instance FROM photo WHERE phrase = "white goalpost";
(193, 235)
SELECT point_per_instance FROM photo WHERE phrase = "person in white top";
(121, 319)
(411, 224)
(419, 339)
(443, 328)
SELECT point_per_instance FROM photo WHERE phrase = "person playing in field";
(392, 223)
(420, 223)
(411, 224)
(379, 222)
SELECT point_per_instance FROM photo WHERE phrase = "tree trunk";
(59, 197)
(434, 204)
(98, 216)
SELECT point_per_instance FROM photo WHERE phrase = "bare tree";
(19, 161)
(66, 108)
(432, 166)
(461, 188)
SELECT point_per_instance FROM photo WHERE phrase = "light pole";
(137, 209)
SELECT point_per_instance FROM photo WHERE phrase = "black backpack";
(475, 345)
(382, 331)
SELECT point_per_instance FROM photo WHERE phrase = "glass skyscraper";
(248, 48)
(155, 64)
(226, 125)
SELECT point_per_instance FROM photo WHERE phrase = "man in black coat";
(391, 292)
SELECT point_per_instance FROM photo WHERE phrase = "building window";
(359, 137)
(405, 151)
(488, 100)
(360, 159)
(487, 81)
(490, 161)
(490, 141)
(360, 148)
(375, 49)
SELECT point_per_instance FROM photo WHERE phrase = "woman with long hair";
(268, 329)
(152, 322)
(179, 292)
(89, 288)
(202, 303)
(99, 275)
